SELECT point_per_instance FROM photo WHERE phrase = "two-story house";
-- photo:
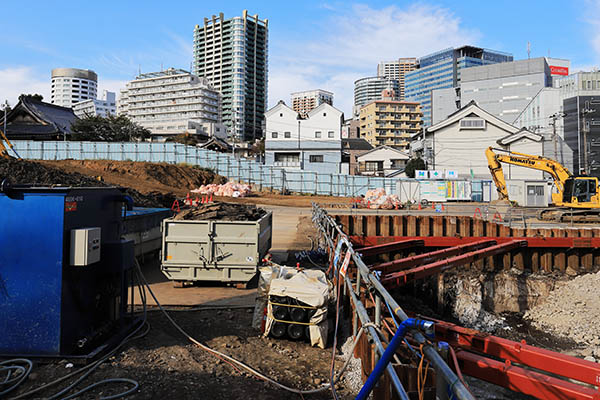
(313, 143)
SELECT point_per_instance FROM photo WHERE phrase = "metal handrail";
(331, 230)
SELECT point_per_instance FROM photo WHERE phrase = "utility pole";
(553, 119)
(586, 110)
(5, 111)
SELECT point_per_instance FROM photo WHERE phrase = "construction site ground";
(165, 363)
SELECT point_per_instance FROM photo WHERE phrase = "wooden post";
(384, 223)
(398, 225)
(505, 231)
(546, 259)
(451, 226)
(560, 257)
(587, 256)
(596, 253)
(371, 225)
(438, 226)
(440, 293)
(345, 222)
(464, 227)
(358, 225)
(423, 222)
(411, 225)
(519, 256)
(572, 255)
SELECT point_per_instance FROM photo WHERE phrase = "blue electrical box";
(49, 304)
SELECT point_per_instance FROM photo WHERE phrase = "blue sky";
(312, 44)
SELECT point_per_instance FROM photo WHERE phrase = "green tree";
(184, 138)
(412, 165)
(107, 129)
(37, 97)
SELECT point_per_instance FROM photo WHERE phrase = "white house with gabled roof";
(313, 143)
(458, 143)
(382, 161)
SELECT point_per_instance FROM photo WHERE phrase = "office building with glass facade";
(442, 70)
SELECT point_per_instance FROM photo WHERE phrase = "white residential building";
(303, 102)
(313, 143)
(172, 102)
(382, 161)
(72, 85)
(102, 107)
(458, 143)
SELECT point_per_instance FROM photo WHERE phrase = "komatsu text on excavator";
(577, 198)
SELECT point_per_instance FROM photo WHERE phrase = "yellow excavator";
(577, 198)
(4, 149)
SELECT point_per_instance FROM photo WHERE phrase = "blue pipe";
(410, 323)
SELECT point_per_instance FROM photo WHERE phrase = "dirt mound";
(571, 310)
(142, 176)
(30, 172)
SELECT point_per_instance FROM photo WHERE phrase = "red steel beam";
(521, 353)
(408, 262)
(523, 380)
(389, 247)
(402, 277)
(440, 241)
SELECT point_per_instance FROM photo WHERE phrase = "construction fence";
(234, 168)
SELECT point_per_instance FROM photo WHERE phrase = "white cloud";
(22, 80)
(353, 43)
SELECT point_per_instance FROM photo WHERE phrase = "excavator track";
(569, 215)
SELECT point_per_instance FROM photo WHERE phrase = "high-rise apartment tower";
(72, 85)
(232, 55)
(396, 70)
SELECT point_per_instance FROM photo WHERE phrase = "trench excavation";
(501, 297)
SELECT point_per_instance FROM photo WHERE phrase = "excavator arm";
(497, 173)
(3, 149)
(559, 173)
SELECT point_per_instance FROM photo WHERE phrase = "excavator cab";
(580, 190)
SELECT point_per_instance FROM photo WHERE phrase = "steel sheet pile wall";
(550, 250)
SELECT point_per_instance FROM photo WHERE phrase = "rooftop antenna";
(139, 69)
(528, 50)
(161, 67)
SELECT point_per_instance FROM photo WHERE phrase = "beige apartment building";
(390, 123)
(304, 102)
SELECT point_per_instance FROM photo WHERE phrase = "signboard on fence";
(421, 174)
(436, 174)
(451, 174)
(433, 191)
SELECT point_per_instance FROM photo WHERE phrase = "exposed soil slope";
(142, 176)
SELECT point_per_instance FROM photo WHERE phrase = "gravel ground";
(571, 310)
(167, 366)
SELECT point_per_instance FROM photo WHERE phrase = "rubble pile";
(571, 310)
(378, 199)
(222, 212)
(228, 189)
